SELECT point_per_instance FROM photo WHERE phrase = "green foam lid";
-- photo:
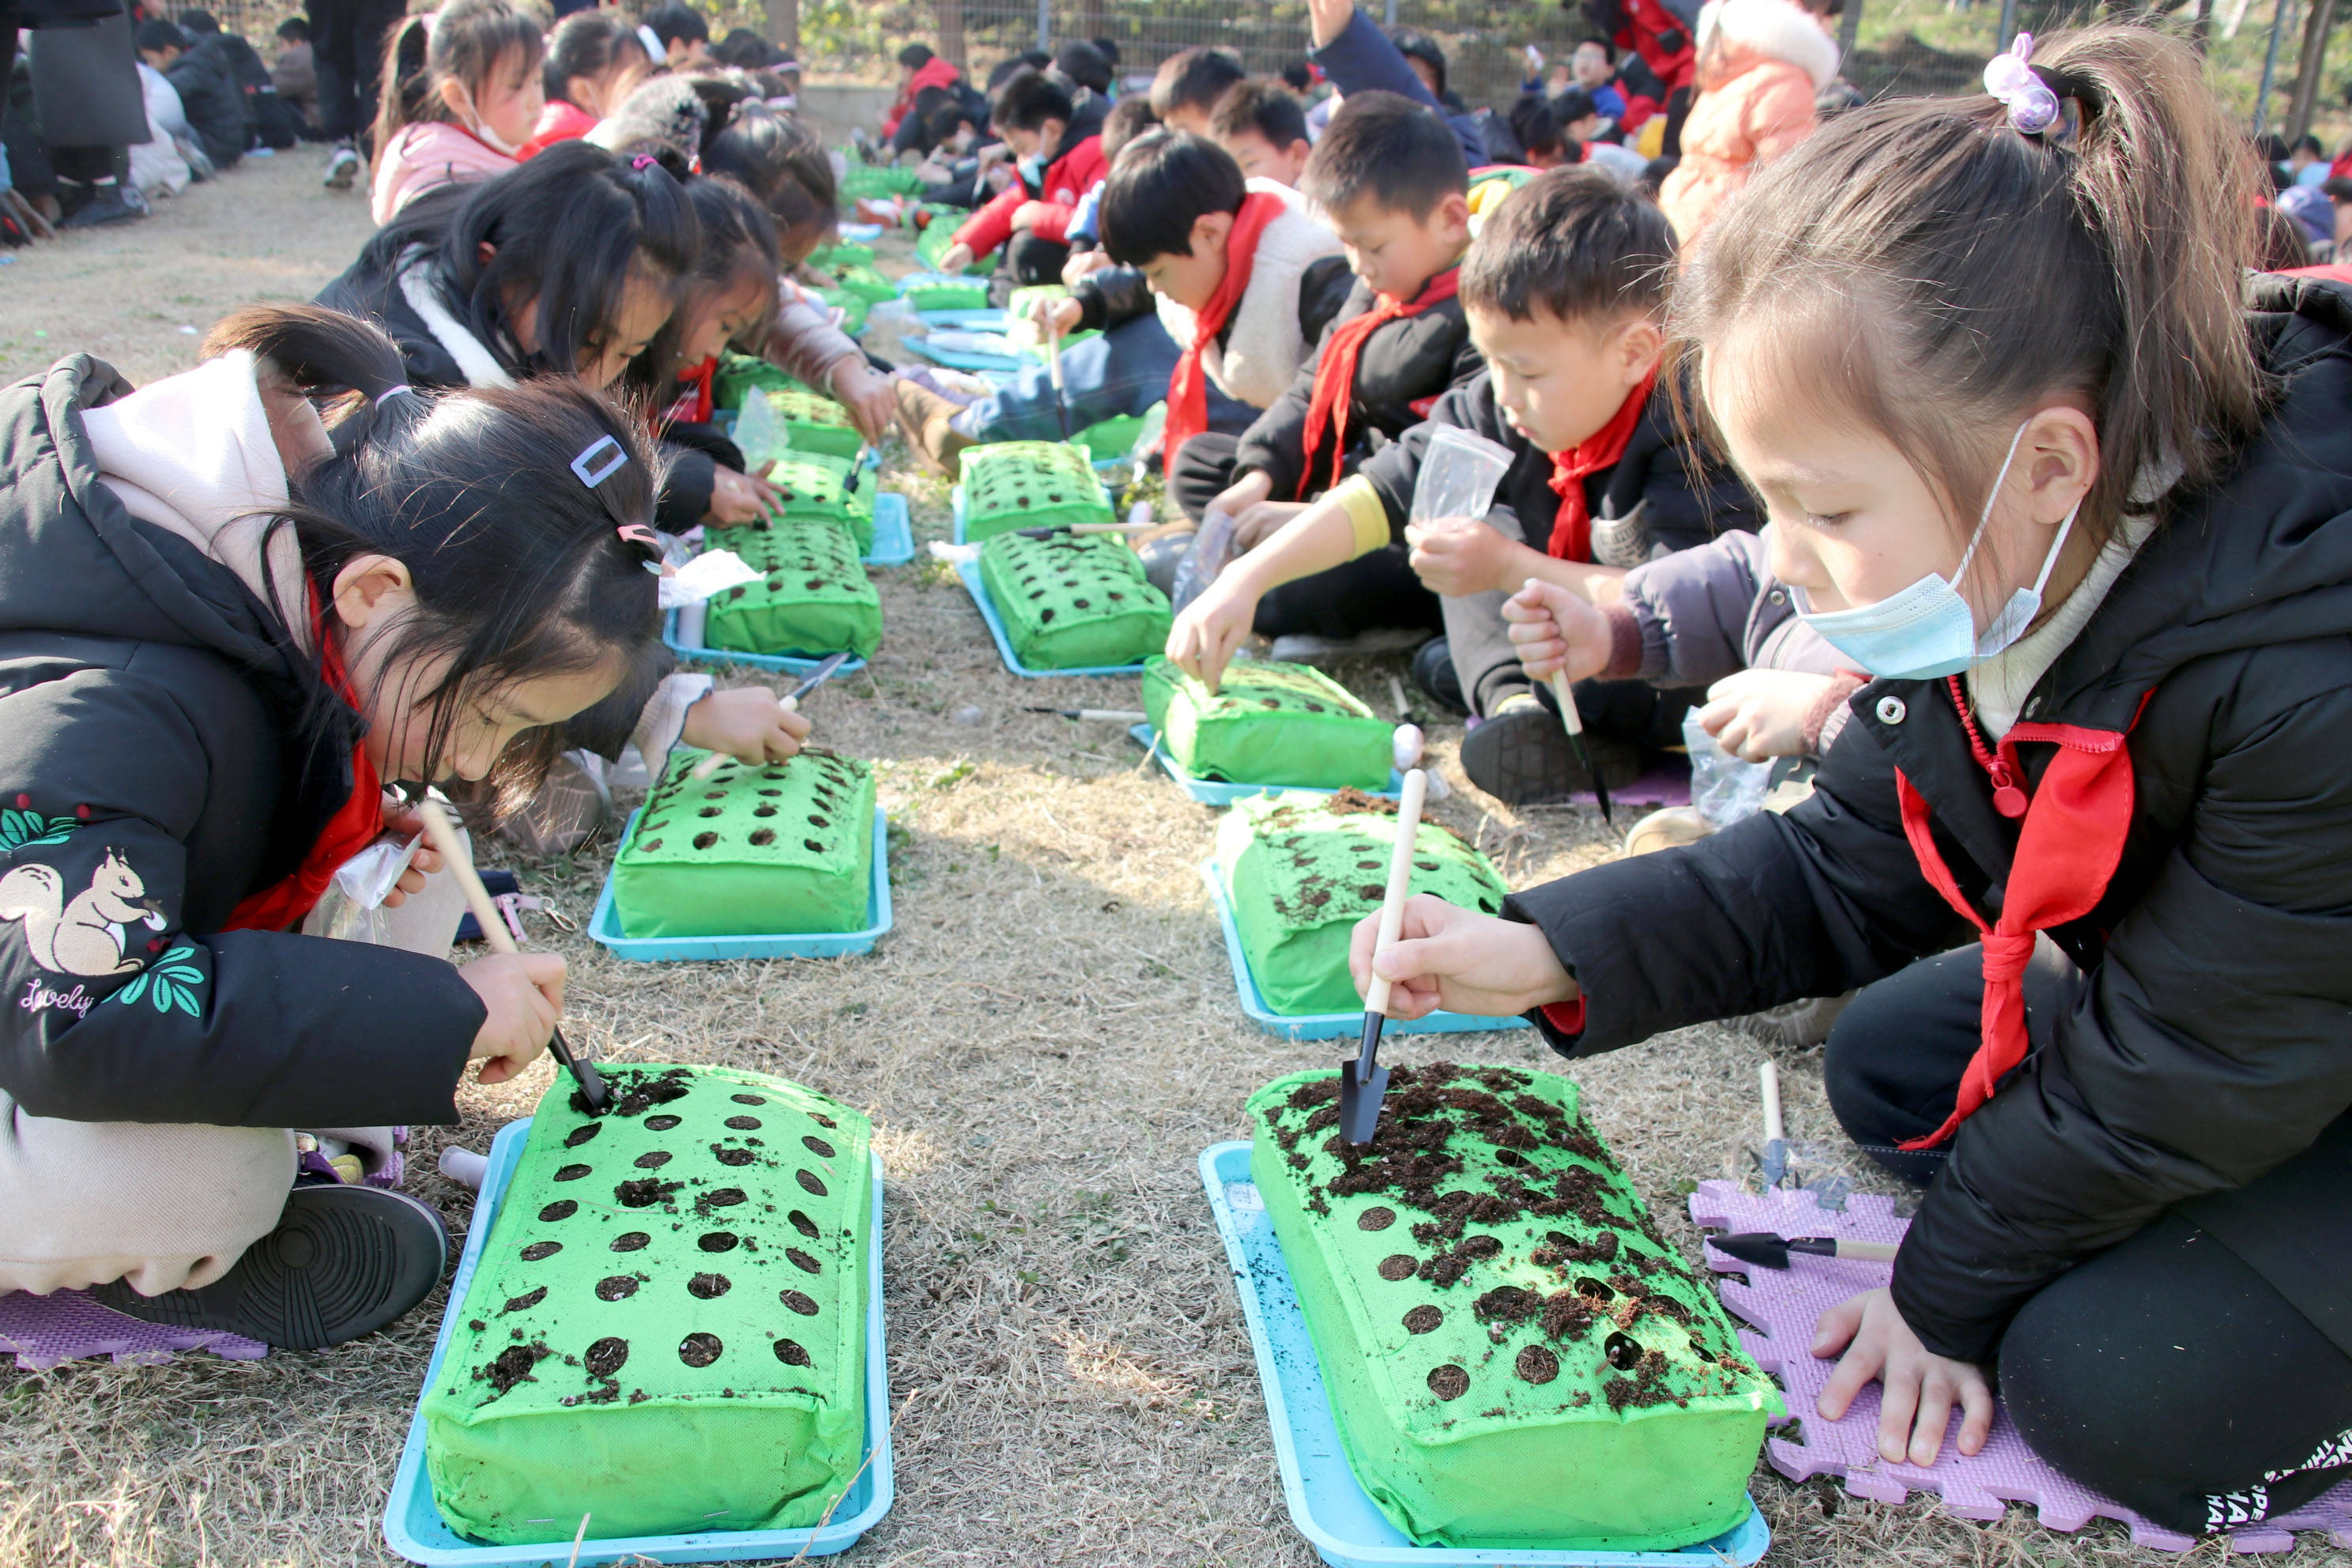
(966, 294)
(818, 427)
(1010, 484)
(1515, 1357)
(1300, 871)
(780, 848)
(1070, 600)
(1269, 724)
(668, 1326)
(812, 596)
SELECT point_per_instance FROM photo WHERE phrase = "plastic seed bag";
(351, 908)
(1458, 474)
(759, 434)
(1722, 787)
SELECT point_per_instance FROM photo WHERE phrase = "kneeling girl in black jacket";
(2086, 515)
(221, 643)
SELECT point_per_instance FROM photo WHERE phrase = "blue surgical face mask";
(1033, 171)
(1927, 629)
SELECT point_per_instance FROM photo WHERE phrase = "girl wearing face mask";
(2084, 511)
(462, 94)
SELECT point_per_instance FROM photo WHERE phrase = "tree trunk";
(784, 26)
(2315, 57)
(949, 13)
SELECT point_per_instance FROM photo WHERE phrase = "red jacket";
(1072, 176)
(561, 120)
(1645, 21)
(936, 72)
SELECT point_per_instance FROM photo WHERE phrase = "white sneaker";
(342, 168)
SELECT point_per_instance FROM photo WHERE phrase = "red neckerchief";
(1188, 389)
(2067, 851)
(693, 403)
(1334, 373)
(355, 825)
(1571, 528)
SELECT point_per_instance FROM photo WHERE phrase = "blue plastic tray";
(1331, 1508)
(983, 321)
(794, 663)
(1325, 1026)
(1216, 792)
(604, 925)
(970, 572)
(894, 532)
(955, 508)
(859, 233)
(413, 1528)
(964, 359)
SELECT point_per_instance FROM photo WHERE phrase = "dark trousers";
(1487, 663)
(347, 42)
(2165, 1372)
(1030, 258)
(1372, 593)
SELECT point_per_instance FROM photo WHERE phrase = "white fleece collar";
(1261, 355)
(192, 454)
(1774, 29)
(420, 285)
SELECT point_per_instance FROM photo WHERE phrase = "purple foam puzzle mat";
(43, 1331)
(1782, 1306)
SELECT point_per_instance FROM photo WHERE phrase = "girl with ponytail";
(234, 631)
(2076, 492)
(460, 99)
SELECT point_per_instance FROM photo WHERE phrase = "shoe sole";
(343, 1262)
(1523, 759)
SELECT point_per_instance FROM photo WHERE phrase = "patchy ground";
(1046, 1044)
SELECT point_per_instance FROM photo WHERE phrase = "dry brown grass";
(1046, 1042)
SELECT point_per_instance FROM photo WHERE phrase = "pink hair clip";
(642, 161)
(638, 533)
(2032, 107)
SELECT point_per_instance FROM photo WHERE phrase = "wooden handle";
(1868, 1251)
(460, 865)
(1400, 889)
(1770, 1077)
(1566, 699)
(1054, 350)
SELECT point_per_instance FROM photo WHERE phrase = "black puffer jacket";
(148, 782)
(1648, 496)
(2207, 1041)
(1404, 368)
(214, 105)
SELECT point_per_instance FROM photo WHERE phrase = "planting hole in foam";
(709, 1287)
(700, 1350)
(617, 1287)
(744, 1123)
(717, 1241)
(799, 1301)
(790, 1353)
(1625, 1352)
(802, 1261)
(572, 1173)
(1399, 1266)
(563, 1208)
(538, 1249)
(802, 1224)
(817, 1146)
(630, 1240)
(1376, 1218)
(653, 1159)
(1423, 1318)
(606, 1356)
(1537, 1364)
(1449, 1382)
(809, 1183)
(583, 1134)
(660, 1123)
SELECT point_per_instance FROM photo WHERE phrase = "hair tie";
(2032, 107)
(585, 465)
(388, 392)
(638, 533)
(642, 161)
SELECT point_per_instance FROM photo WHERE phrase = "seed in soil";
(1399, 1266)
(700, 1350)
(1423, 1318)
(617, 1287)
(1623, 1352)
(1449, 1382)
(1537, 1364)
(606, 1356)
(707, 1287)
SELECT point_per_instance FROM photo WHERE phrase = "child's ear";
(1209, 232)
(1640, 343)
(454, 98)
(1450, 218)
(370, 588)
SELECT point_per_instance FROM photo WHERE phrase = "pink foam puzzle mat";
(1782, 1306)
(43, 1331)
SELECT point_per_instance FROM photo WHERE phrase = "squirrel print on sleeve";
(83, 936)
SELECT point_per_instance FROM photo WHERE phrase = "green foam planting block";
(815, 485)
(1514, 1359)
(1300, 871)
(854, 307)
(867, 284)
(949, 294)
(738, 374)
(1029, 484)
(1269, 724)
(779, 849)
(1112, 438)
(1073, 600)
(839, 254)
(877, 180)
(812, 597)
(819, 426)
(936, 240)
(667, 1327)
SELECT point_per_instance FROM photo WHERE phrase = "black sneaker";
(106, 206)
(1434, 677)
(1522, 757)
(344, 1261)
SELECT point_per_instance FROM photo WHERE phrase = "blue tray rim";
(506, 1153)
(1228, 1164)
(968, 572)
(894, 541)
(604, 925)
(1215, 792)
(790, 663)
(1324, 1026)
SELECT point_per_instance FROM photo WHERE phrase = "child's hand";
(1554, 629)
(1054, 318)
(1202, 640)
(1760, 714)
(866, 393)
(1458, 556)
(524, 995)
(1028, 215)
(746, 724)
(738, 498)
(401, 820)
(1243, 494)
(1327, 19)
(1460, 960)
(956, 257)
(1082, 264)
(1917, 1387)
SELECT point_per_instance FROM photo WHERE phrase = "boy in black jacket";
(1564, 291)
(1390, 180)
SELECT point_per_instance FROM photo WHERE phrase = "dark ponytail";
(784, 165)
(519, 566)
(739, 244)
(1924, 266)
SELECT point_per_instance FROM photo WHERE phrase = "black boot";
(1435, 676)
(344, 1261)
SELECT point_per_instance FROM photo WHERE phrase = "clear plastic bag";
(760, 435)
(352, 908)
(1212, 547)
(1722, 787)
(1459, 472)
